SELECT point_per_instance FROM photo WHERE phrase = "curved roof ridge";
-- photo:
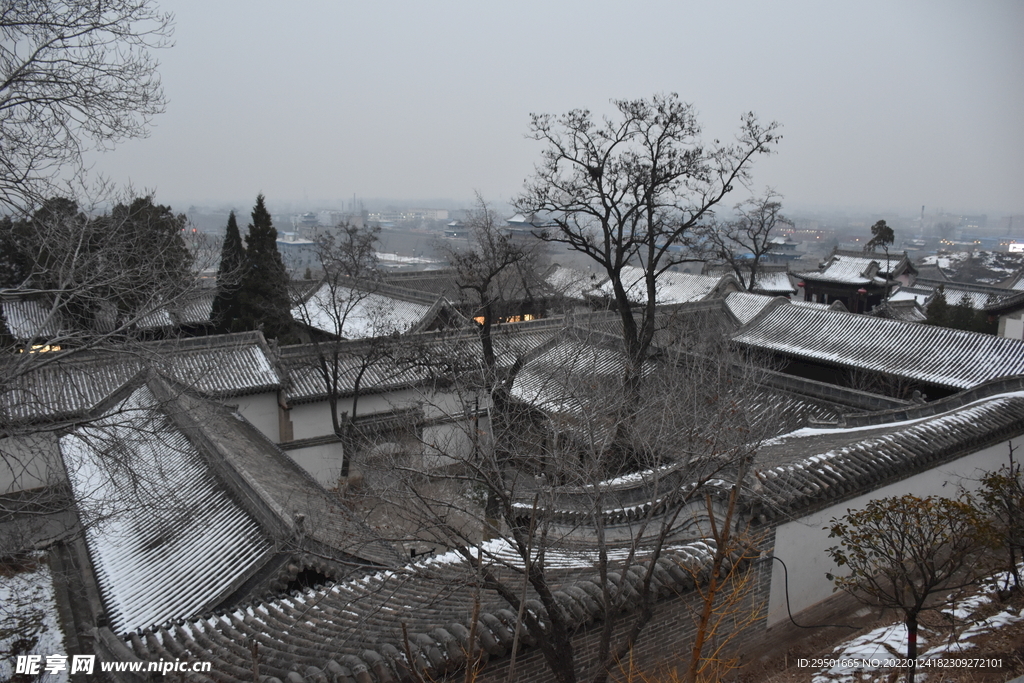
(354, 625)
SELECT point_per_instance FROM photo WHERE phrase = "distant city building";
(297, 252)
(408, 215)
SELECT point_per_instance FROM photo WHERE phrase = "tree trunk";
(911, 622)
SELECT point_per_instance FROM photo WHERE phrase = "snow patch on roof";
(670, 288)
(354, 314)
(165, 537)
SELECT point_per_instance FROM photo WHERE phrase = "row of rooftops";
(417, 301)
(222, 366)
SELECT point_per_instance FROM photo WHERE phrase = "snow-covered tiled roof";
(746, 305)
(69, 383)
(849, 270)
(361, 629)
(563, 379)
(811, 465)
(164, 535)
(1008, 305)
(354, 314)
(975, 299)
(573, 283)
(834, 306)
(31, 318)
(376, 370)
(906, 309)
(672, 287)
(771, 279)
(413, 359)
(921, 295)
(856, 268)
(925, 353)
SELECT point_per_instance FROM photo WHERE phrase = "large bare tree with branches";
(493, 270)
(74, 76)
(744, 241)
(633, 189)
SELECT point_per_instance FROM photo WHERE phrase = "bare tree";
(537, 486)
(76, 284)
(343, 304)
(493, 271)
(910, 554)
(74, 75)
(743, 242)
(1002, 494)
(633, 190)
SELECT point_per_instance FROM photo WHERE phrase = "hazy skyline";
(883, 105)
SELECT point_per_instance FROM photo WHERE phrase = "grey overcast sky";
(885, 105)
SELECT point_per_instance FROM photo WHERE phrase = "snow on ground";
(885, 642)
(888, 642)
(28, 620)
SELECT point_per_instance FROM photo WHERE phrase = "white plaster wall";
(449, 443)
(30, 461)
(310, 420)
(1012, 326)
(802, 543)
(261, 411)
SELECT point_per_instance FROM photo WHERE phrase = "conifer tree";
(226, 310)
(263, 295)
(938, 310)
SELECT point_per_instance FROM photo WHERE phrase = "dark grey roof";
(1007, 305)
(925, 353)
(907, 310)
(199, 508)
(61, 385)
(977, 296)
(166, 537)
(30, 318)
(771, 279)
(816, 466)
(355, 628)
(413, 359)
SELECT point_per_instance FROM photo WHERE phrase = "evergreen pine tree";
(962, 315)
(226, 310)
(263, 295)
(938, 310)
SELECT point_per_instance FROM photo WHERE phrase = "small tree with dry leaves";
(1002, 497)
(910, 554)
